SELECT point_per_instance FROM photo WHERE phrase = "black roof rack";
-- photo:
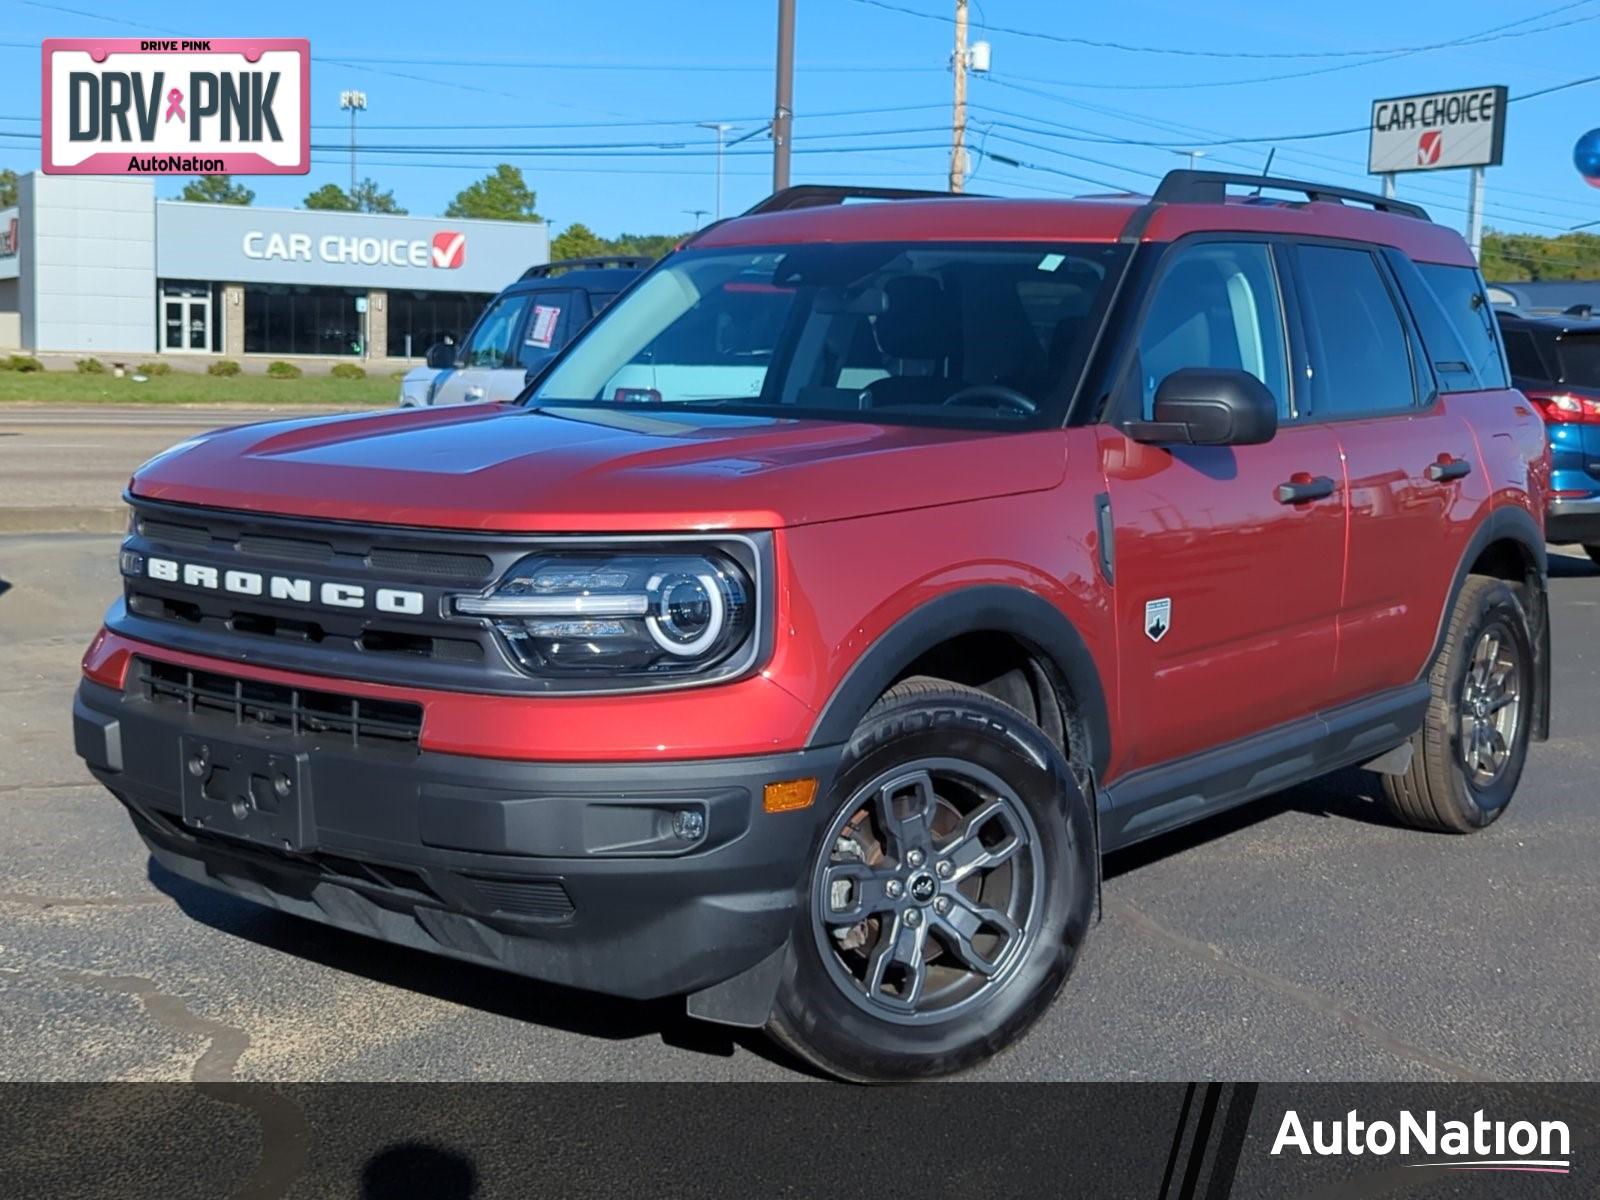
(632, 262)
(818, 195)
(1211, 187)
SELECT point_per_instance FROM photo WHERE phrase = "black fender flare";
(1509, 523)
(987, 608)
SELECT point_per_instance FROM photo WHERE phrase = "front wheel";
(1469, 754)
(948, 895)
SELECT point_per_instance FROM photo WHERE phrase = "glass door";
(186, 318)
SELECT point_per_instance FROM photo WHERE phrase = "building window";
(288, 319)
(417, 320)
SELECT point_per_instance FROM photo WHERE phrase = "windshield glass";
(1580, 359)
(987, 335)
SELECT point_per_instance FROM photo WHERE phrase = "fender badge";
(1157, 618)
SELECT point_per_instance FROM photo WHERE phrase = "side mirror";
(441, 356)
(1209, 406)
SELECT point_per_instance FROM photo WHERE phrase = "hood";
(577, 470)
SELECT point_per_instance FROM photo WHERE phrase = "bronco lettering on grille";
(283, 587)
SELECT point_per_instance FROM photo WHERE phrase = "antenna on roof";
(1266, 168)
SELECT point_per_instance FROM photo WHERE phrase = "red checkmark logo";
(449, 249)
(1428, 147)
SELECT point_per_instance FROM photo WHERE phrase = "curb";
(109, 519)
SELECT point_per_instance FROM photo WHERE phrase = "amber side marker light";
(789, 795)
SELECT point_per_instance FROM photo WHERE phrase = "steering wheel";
(997, 393)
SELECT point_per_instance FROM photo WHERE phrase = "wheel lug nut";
(913, 918)
(943, 869)
(914, 857)
(942, 905)
(895, 889)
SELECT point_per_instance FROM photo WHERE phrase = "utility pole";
(355, 102)
(1475, 211)
(698, 214)
(721, 130)
(783, 109)
(958, 124)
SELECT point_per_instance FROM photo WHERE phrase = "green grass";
(319, 391)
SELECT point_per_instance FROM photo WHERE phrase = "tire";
(995, 788)
(1592, 549)
(1438, 791)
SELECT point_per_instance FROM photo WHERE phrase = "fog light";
(689, 824)
(132, 563)
(789, 795)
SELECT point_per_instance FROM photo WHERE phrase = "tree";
(367, 198)
(216, 189)
(650, 245)
(8, 188)
(1513, 257)
(330, 197)
(578, 241)
(502, 195)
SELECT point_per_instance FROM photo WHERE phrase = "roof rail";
(634, 262)
(818, 195)
(1211, 187)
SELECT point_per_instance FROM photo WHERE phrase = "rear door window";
(1461, 294)
(1579, 354)
(1361, 345)
(1523, 354)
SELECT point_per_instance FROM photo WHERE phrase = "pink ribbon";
(174, 105)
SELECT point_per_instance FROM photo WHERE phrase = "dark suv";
(1048, 526)
(1555, 360)
(519, 331)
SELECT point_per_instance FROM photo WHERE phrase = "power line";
(1487, 35)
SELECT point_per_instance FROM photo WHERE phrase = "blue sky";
(565, 83)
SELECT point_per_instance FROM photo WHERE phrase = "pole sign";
(1438, 130)
(146, 106)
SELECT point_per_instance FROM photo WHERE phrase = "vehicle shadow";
(5, 586)
(587, 1014)
(418, 1169)
(1350, 795)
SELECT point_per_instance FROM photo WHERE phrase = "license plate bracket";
(254, 793)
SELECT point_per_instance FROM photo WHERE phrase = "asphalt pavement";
(1301, 938)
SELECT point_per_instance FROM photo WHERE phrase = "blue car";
(1555, 361)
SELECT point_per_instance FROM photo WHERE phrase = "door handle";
(1447, 468)
(474, 393)
(1303, 489)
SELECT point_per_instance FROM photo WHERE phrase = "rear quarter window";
(1462, 297)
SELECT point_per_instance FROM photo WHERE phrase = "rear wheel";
(948, 894)
(1469, 754)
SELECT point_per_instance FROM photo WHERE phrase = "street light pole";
(783, 109)
(355, 102)
(721, 131)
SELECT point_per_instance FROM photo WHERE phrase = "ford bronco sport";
(1049, 527)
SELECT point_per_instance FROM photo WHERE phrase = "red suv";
(802, 638)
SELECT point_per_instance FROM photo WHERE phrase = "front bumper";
(565, 872)
(1573, 520)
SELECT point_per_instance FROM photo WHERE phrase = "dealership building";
(98, 265)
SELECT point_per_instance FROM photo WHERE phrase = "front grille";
(356, 721)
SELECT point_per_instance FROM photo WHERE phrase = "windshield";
(1580, 359)
(987, 335)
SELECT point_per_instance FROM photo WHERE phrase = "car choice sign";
(1438, 130)
(146, 106)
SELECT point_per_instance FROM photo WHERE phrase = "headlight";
(621, 614)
